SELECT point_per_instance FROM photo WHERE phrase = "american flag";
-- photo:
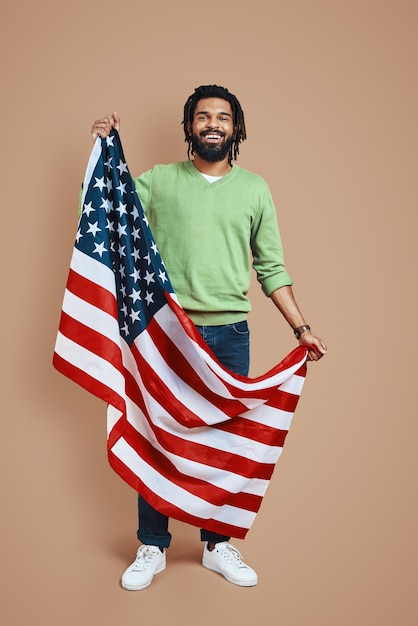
(198, 442)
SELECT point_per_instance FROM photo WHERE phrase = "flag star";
(144, 219)
(162, 276)
(109, 163)
(135, 234)
(93, 228)
(136, 254)
(122, 167)
(122, 229)
(121, 251)
(135, 274)
(121, 188)
(125, 329)
(78, 236)
(149, 277)
(100, 248)
(122, 271)
(154, 247)
(149, 297)
(135, 295)
(88, 209)
(123, 292)
(110, 226)
(134, 315)
(109, 184)
(99, 183)
(106, 204)
(147, 258)
(121, 209)
(124, 309)
(112, 247)
(135, 213)
(109, 140)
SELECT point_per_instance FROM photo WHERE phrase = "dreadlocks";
(215, 91)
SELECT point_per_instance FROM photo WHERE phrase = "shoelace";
(232, 555)
(143, 558)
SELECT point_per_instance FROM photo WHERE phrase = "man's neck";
(216, 168)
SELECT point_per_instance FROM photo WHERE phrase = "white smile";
(213, 137)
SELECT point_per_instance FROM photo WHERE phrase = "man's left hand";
(318, 347)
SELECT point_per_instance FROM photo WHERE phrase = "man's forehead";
(218, 105)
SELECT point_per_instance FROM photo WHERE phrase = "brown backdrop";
(329, 90)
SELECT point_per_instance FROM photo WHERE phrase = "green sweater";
(208, 235)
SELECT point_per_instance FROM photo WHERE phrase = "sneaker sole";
(235, 581)
(129, 587)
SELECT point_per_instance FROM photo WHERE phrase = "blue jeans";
(231, 345)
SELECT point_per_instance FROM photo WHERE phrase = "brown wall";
(329, 89)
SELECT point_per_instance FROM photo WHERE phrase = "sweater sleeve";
(143, 188)
(266, 246)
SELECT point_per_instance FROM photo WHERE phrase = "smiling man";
(212, 131)
(212, 220)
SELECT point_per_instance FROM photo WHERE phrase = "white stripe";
(269, 416)
(113, 416)
(93, 270)
(91, 316)
(91, 165)
(293, 385)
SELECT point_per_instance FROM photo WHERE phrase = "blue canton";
(114, 230)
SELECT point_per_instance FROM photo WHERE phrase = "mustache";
(211, 132)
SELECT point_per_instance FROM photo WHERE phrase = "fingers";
(102, 127)
(314, 356)
(317, 348)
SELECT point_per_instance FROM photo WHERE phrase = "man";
(211, 219)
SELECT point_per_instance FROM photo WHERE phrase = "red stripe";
(92, 293)
(94, 386)
(261, 433)
(91, 340)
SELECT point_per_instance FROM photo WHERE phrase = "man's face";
(212, 129)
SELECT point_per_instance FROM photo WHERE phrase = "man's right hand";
(103, 126)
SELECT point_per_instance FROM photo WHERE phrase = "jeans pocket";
(240, 328)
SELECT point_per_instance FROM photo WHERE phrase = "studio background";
(329, 91)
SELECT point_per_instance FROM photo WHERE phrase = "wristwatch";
(301, 329)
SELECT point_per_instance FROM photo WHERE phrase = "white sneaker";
(226, 560)
(149, 561)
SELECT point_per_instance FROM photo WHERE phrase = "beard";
(211, 153)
